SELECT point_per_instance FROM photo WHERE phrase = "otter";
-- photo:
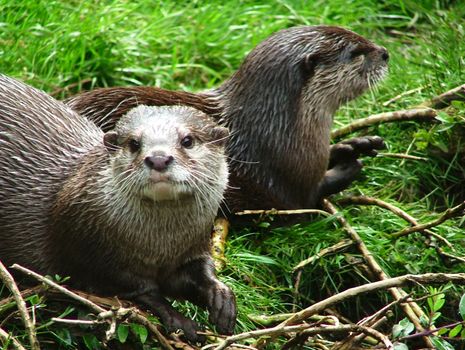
(279, 106)
(125, 213)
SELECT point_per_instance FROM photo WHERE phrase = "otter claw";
(348, 150)
(222, 309)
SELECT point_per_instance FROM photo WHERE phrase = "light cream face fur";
(158, 133)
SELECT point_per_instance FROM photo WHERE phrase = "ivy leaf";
(439, 303)
(462, 307)
(403, 328)
(123, 332)
(140, 331)
(91, 341)
(441, 344)
(454, 331)
(400, 346)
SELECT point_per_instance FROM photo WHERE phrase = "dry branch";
(365, 200)
(309, 330)
(21, 304)
(62, 289)
(427, 278)
(405, 93)
(131, 313)
(444, 100)
(403, 156)
(5, 338)
(281, 212)
(413, 314)
(325, 251)
(424, 114)
(448, 214)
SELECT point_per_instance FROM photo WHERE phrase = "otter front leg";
(196, 281)
(171, 319)
(344, 164)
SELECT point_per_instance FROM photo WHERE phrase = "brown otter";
(279, 107)
(128, 212)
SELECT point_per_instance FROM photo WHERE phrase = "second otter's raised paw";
(348, 150)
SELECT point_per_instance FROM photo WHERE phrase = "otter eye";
(134, 145)
(359, 50)
(187, 142)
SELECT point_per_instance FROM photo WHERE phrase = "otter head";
(320, 66)
(168, 153)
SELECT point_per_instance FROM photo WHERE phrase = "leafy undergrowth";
(67, 46)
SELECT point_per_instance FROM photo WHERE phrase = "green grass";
(65, 46)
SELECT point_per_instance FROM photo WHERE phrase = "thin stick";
(329, 250)
(374, 266)
(63, 290)
(444, 100)
(403, 156)
(282, 212)
(365, 200)
(308, 328)
(425, 114)
(405, 93)
(21, 304)
(133, 315)
(427, 278)
(5, 338)
(448, 214)
(76, 322)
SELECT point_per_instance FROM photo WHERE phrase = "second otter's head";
(168, 153)
(323, 65)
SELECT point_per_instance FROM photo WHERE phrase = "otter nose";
(158, 163)
(384, 54)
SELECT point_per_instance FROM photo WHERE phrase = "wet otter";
(279, 107)
(128, 212)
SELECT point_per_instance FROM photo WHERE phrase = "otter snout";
(158, 162)
(384, 54)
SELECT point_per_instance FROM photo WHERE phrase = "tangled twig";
(426, 114)
(21, 304)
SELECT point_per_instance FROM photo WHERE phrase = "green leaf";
(91, 341)
(441, 344)
(439, 303)
(123, 332)
(455, 331)
(462, 334)
(403, 328)
(462, 307)
(140, 331)
(400, 346)
(442, 331)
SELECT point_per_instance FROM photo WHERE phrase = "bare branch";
(21, 304)
(427, 278)
(424, 114)
(7, 338)
(62, 289)
(444, 100)
(329, 250)
(448, 214)
(282, 212)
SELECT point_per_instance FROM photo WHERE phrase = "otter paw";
(339, 177)
(222, 308)
(175, 321)
(354, 148)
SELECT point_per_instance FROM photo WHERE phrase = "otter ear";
(110, 140)
(219, 135)
(308, 64)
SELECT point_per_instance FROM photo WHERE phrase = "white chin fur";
(164, 191)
